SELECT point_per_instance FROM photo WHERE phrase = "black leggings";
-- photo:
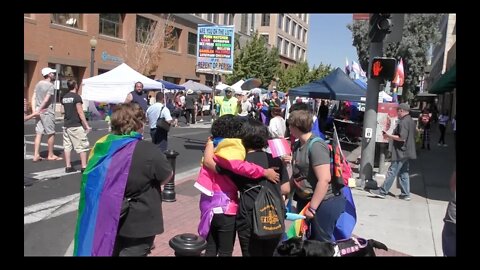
(221, 237)
(442, 134)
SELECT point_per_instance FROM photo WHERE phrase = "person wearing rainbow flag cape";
(121, 166)
(219, 198)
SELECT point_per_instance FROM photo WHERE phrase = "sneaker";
(439, 144)
(445, 145)
(376, 193)
(405, 198)
(70, 170)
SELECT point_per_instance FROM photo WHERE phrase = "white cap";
(47, 70)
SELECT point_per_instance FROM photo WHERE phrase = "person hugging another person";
(254, 138)
(219, 198)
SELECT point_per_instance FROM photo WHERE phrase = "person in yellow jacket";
(228, 104)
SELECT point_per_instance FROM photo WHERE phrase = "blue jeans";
(400, 168)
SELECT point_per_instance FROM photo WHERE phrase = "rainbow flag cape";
(299, 226)
(101, 194)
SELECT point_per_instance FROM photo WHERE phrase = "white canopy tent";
(113, 86)
(237, 86)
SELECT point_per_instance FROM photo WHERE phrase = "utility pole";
(379, 27)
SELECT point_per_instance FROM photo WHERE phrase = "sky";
(329, 40)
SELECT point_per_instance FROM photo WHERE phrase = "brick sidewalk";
(183, 215)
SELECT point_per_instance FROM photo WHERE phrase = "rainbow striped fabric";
(299, 226)
(101, 194)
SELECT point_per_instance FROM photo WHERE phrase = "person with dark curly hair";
(254, 138)
(219, 198)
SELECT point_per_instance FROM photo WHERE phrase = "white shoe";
(445, 145)
(439, 144)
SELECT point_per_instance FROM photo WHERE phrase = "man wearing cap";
(190, 104)
(228, 104)
(403, 149)
(43, 101)
(138, 96)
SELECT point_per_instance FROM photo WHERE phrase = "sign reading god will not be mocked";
(215, 49)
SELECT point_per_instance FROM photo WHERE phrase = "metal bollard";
(187, 244)
(168, 193)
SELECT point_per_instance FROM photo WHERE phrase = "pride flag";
(299, 226)
(279, 147)
(101, 194)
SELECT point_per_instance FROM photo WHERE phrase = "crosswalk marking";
(49, 174)
(50, 209)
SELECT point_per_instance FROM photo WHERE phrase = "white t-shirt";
(277, 127)
(246, 107)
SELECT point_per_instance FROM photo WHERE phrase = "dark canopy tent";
(171, 86)
(337, 86)
(446, 83)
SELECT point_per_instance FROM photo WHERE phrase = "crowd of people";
(236, 159)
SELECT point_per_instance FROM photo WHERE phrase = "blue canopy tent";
(171, 86)
(337, 86)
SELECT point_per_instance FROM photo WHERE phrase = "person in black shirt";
(75, 127)
(254, 138)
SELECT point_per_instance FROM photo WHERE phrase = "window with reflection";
(66, 19)
(172, 38)
(144, 27)
(110, 24)
(192, 43)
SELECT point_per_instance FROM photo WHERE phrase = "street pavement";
(408, 228)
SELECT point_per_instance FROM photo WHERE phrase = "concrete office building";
(63, 40)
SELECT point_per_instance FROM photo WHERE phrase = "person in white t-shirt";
(277, 126)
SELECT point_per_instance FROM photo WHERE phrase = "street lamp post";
(93, 44)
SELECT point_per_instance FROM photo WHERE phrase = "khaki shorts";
(45, 124)
(75, 138)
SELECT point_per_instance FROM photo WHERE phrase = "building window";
(280, 20)
(303, 54)
(230, 20)
(304, 35)
(244, 24)
(210, 17)
(171, 79)
(101, 71)
(299, 54)
(145, 27)
(225, 19)
(192, 43)
(215, 18)
(286, 44)
(265, 37)
(287, 25)
(279, 44)
(172, 40)
(266, 19)
(294, 29)
(66, 19)
(292, 51)
(110, 24)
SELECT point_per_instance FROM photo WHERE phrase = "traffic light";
(380, 25)
(383, 68)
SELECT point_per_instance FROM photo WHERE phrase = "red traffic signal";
(383, 68)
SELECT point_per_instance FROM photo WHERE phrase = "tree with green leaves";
(255, 60)
(420, 32)
(298, 75)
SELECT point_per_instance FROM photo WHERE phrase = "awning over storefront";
(446, 83)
